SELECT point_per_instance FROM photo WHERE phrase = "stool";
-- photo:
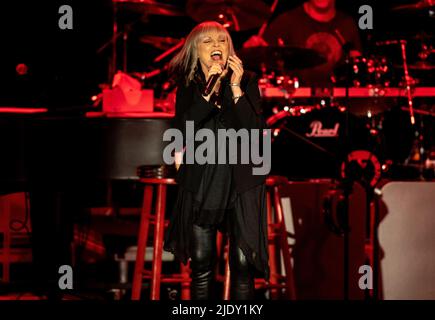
(155, 217)
(10, 205)
(277, 243)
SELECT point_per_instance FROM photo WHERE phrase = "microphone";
(212, 81)
(210, 84)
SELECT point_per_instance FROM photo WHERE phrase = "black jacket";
(246, 113)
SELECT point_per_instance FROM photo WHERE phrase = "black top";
(226, 196)
(246, 113)
(297, 28)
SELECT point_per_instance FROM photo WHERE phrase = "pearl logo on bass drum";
(317, 130)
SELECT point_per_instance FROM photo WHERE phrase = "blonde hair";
(185, 62)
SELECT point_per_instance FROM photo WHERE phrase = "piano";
(58, 159)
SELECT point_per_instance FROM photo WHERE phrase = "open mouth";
(216, 55)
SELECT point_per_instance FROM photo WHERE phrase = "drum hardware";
(425, 52)
(171, 50)
(265, 23)
(372, 71)
(300, 137)
(417, 151)
(144, 7)
(346, 183)
(420, 66)
(286, 84)
(151, 74)
(365, 168)
(362, 165)
(423, 65)
(280, 62)
(270, 91)
(418, 141)
(419, 5)
(237, 15)
(149, 7)
(419, 111)
(162, 43)
(280, 58)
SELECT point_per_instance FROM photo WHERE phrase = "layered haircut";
(185, 63)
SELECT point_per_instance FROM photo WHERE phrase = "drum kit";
(370, 105)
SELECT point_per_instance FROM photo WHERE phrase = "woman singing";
(218, 196)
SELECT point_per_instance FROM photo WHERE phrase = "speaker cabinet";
(407, 238)
(318, 252)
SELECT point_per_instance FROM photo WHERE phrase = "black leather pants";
(203, 265)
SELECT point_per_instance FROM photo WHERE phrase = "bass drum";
(313, 145)
(398, 134)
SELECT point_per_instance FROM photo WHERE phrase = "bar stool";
(277, 243)
(11, 207)
(156, 217)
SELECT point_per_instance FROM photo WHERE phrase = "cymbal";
(239, 14)
(151, 7)
(287, 58)
(420, 5)
(162, 43)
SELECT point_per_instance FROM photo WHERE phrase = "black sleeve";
(190, 106)
(246, 113)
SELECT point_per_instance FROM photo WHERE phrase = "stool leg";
(273, 279)
(185, 285)
(158, 242)
(227, 277)
(219, 246)
(123, 275)
(7, 242)
(141, 242)
(291, 292)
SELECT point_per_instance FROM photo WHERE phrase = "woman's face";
(212, 48)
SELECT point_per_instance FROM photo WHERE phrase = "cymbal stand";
(235, 21)
(264, 25)
(418, 137)
(113, 66)
(112, 42)
(171, 50)
(408, 81)
(113, 63)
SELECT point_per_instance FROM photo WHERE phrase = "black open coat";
(246, 113)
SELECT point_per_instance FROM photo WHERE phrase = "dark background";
(65, 69)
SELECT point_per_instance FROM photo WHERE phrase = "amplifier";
(407, 238)
(318, 260)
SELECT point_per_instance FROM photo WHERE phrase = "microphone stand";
(418, 135)
(372, 203)
(347, 182)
